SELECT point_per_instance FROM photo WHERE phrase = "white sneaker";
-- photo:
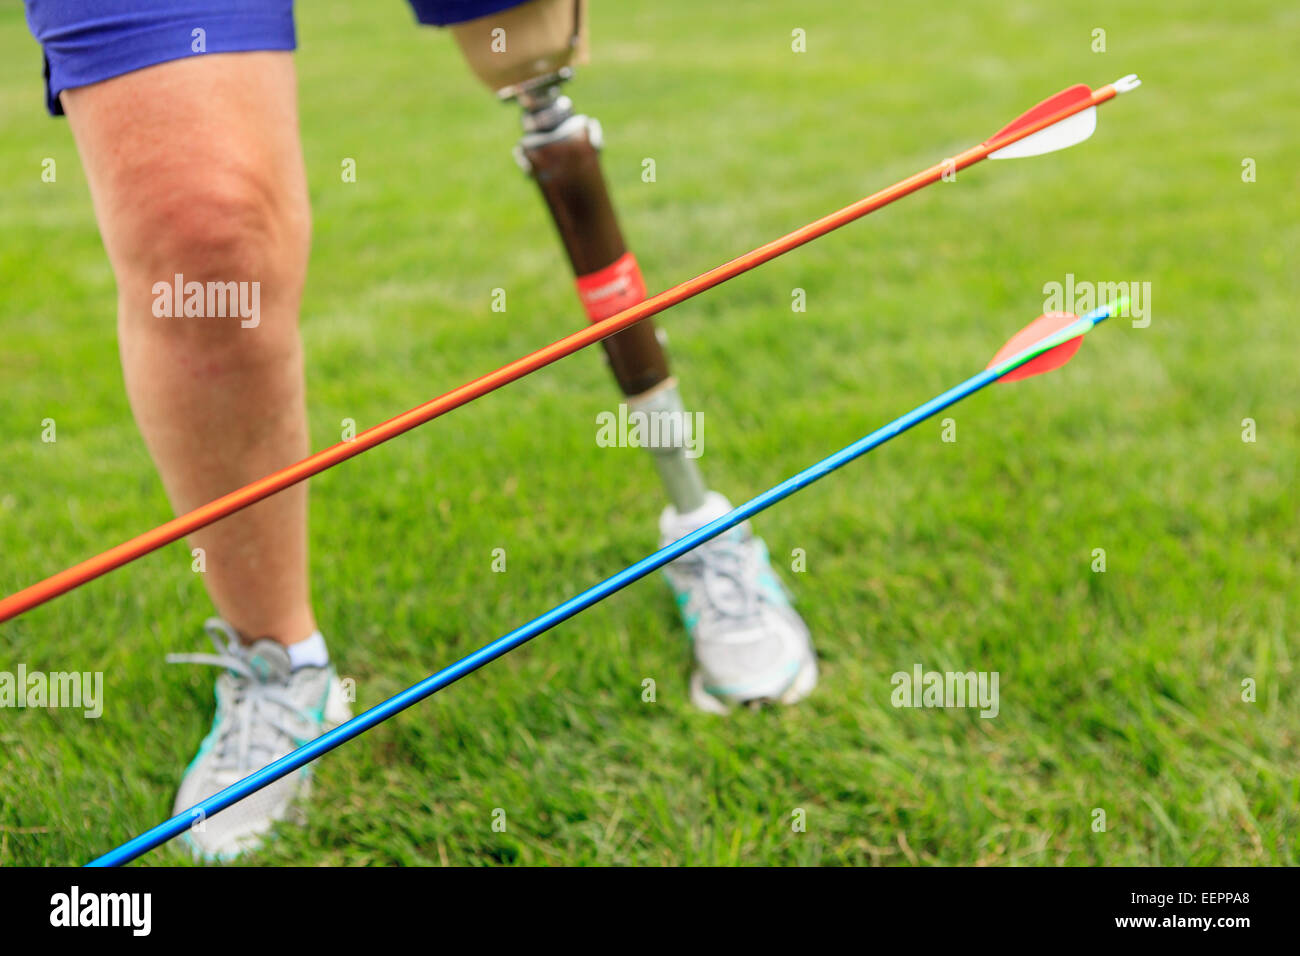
(265, 709)
(750, 645)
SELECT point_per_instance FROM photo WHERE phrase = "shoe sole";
(800, 687)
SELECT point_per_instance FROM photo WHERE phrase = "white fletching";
(1068, 132)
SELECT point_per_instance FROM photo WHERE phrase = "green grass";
(1119, 691)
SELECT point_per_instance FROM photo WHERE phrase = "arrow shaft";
(562, 612)
(182, 525)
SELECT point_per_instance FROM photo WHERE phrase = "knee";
(214, 246)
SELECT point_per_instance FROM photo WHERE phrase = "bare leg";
(195, 168)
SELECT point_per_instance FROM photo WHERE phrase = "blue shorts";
(86, 41)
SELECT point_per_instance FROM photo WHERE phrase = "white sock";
(309, 652)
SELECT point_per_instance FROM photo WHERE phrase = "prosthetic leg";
(749, 644)
(560, 151)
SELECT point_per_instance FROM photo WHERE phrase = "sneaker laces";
(257, 708)
(724, 569)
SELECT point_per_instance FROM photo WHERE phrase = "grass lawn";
(1120, 691)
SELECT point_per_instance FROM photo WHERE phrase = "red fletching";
(1053, 104)
(1036, 331)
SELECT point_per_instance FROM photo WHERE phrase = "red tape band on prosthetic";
(610, 290)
